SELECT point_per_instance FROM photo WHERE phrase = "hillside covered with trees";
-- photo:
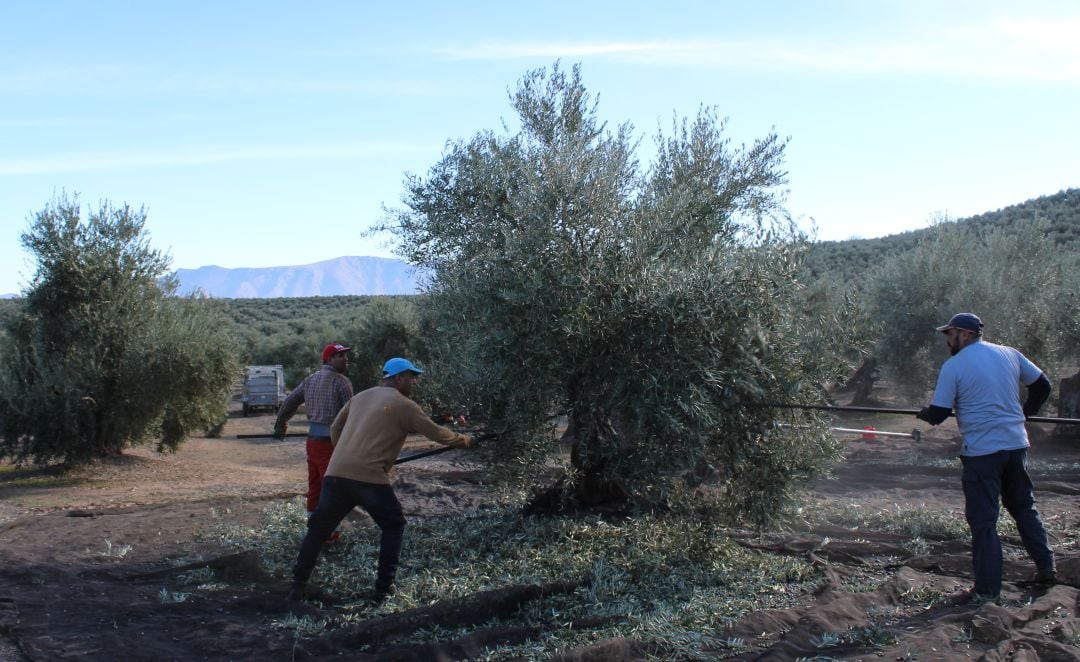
(292, 331)
(1017, 267)
(849, 259)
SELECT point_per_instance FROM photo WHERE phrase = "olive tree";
(101, 356)
(402, 326)
(653, 309)
(385, 328)
(1016, 279)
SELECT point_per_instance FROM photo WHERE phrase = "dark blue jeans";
(339, 496)
(991, 481)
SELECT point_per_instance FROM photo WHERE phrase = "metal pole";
(878, 433)
(417, 456)
(869, 432)
(912, 412)
(864, 410)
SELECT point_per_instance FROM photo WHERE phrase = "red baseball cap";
(334, 348)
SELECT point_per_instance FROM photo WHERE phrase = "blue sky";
(272, 133)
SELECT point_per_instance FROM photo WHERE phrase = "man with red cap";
(324, 393)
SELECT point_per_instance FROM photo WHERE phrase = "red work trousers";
(318, 458)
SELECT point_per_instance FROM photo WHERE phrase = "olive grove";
(386, 327)
(99, 355)
(1017, 279)
(653, 308)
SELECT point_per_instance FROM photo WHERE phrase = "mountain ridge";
(348, 275)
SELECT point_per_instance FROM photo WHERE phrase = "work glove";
(923, 414)
(467, 441)
(280, 429)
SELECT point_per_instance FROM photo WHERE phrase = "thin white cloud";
(249, 85)
(18, 79)
(1039, 49)
(1026, 49)
(36, 122)
(82, 162)
(515, 50)
(60, 81)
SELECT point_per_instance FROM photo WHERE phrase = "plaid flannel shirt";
(324, 393)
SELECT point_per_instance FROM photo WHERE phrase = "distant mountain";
(341, 276)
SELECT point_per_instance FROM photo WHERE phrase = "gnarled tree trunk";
(1069, 404)
(590, 455)
(862, 382)
(593, 444)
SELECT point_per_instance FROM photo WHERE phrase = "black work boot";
(1045, 576)
(296, 592)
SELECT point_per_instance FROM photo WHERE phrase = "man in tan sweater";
(367, 436)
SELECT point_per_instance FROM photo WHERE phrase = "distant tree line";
(850, 260)
(293, 331)
(8, 308)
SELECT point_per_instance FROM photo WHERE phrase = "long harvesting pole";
(435, 451)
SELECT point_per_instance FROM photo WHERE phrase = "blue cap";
(964, 321)
(397, 365)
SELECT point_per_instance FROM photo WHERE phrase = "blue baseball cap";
(964, 321)
(397, 365)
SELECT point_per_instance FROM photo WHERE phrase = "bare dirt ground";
(921, 611)
(83, 563)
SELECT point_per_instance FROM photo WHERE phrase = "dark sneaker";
(301, 591)
(1045, 576)
(977, 599)
(383, 593)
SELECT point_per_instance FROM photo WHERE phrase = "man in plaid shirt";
(324, 393)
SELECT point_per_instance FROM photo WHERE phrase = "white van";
(264, 388)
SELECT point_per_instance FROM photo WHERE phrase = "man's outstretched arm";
(1038, 392)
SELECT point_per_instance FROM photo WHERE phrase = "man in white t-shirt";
(981, 383)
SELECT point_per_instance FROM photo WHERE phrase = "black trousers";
(339, 496)
(991, 481)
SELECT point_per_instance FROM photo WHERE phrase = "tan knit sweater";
(370, 430)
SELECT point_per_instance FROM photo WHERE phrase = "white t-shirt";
(981, 384)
